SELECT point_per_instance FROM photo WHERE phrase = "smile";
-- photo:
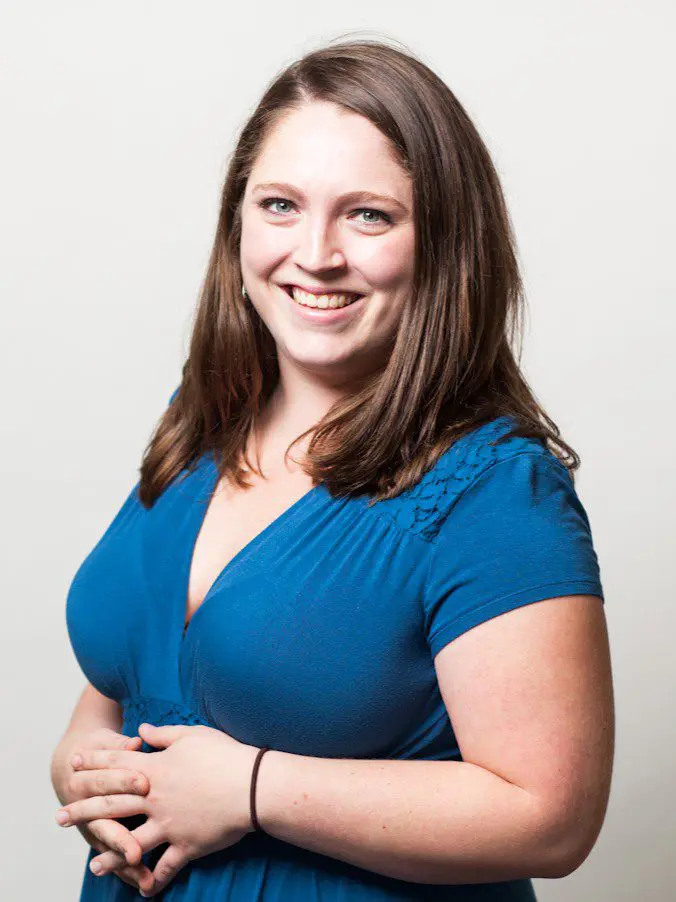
(329, 301)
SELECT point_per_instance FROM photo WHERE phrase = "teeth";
(322, 301)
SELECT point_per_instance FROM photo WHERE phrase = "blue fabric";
(319, 637)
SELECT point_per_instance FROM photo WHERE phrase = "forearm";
(93, 710)
(421, 821)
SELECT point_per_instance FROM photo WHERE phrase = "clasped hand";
(197, 800)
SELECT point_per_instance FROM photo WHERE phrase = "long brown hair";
(452, 366)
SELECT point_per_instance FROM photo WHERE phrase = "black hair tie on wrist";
(254, 820)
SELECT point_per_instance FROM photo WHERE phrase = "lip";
(326, 315)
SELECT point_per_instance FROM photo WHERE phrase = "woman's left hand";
(198, 800)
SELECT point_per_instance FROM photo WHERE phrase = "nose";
(318, 248)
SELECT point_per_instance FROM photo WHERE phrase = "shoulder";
(472, 461)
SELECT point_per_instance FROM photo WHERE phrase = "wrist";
(271, 799)
(255, 825)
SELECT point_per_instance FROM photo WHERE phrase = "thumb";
(161, 737)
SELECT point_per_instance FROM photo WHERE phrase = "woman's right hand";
(103, 834)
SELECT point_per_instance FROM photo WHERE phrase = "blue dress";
(318, 637)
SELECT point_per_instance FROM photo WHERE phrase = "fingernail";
(76, 760)
(95, 866)
(62, 817)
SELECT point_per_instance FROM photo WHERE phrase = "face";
(309, 220)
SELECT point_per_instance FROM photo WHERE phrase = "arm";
(93, 710)
(529, 695)
(423, 821)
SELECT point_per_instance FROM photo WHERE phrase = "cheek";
(389, 266)
(262, 248)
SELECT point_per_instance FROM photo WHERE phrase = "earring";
(244, 294)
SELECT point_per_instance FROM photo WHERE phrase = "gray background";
(117, 120)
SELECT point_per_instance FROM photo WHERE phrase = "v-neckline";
(211, 470)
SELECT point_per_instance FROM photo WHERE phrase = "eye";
(369, 222)
(268, 201)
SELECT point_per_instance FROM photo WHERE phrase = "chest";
(234, 517)
(306, 632)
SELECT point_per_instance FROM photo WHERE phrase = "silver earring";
(244, 294)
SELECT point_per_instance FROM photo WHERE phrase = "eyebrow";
(350, 196)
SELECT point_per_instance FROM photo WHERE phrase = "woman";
(335, 656)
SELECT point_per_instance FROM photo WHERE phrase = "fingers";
(139, 875)
(84, 758)
(113, 836)
(86, 783)
(94, 842)
(148, 835)
(105, 738)
(167, 867)
(114, 805)
(107, 861)
(115, 755)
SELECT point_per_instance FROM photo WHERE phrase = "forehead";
(322, 144)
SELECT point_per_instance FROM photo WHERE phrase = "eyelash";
(265, 204)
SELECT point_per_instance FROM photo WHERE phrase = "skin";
(310, 236)
(104, 834)
(198, 800)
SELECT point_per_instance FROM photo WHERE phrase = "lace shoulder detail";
(423, 508)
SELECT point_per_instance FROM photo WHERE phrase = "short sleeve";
(517, 534)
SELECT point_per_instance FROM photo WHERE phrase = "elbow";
(570, 828)
(566, 861)
(567, 845)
